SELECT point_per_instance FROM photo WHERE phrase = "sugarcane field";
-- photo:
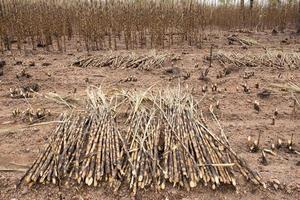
(149, 99)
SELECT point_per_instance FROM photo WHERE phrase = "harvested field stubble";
(239, 61)
(158, 132)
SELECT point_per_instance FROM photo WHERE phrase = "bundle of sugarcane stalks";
(164, 141)
(145, 62)
(84, 147)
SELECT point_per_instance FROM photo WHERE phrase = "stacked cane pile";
(269, 59)
(121, 61)
(164, 141)
(84, 147)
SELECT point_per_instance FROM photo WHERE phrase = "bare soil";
(20, 143)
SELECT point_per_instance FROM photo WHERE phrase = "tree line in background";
(129, 24)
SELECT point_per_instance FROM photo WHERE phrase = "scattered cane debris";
(254, 146)
(129, 79)
(25, 91)
(30, 115)
(273, 146)
(22, 75)
(274, 116)
(204, 88)
(31, 64)
(70, 101)
(46, 64)
(264, 160)
(276, 184)
(19, 93)
(285, 41)
(291, 86)
(18, 62)
(257, 85)
(31, 87)
(2, 63)
(248, 74)
(204, 75)
(175, 58)
(246, 88)
(273, 120)
(276, 112)
(173, 71)
(290, 143)
(279, 143)
(256, 106)
(264, 93)
(218, 104)
(176, 72)
(214, 87)
(270, 152)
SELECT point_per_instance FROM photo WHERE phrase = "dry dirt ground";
(20, 142)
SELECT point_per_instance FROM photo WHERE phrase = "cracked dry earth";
(21, 142)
